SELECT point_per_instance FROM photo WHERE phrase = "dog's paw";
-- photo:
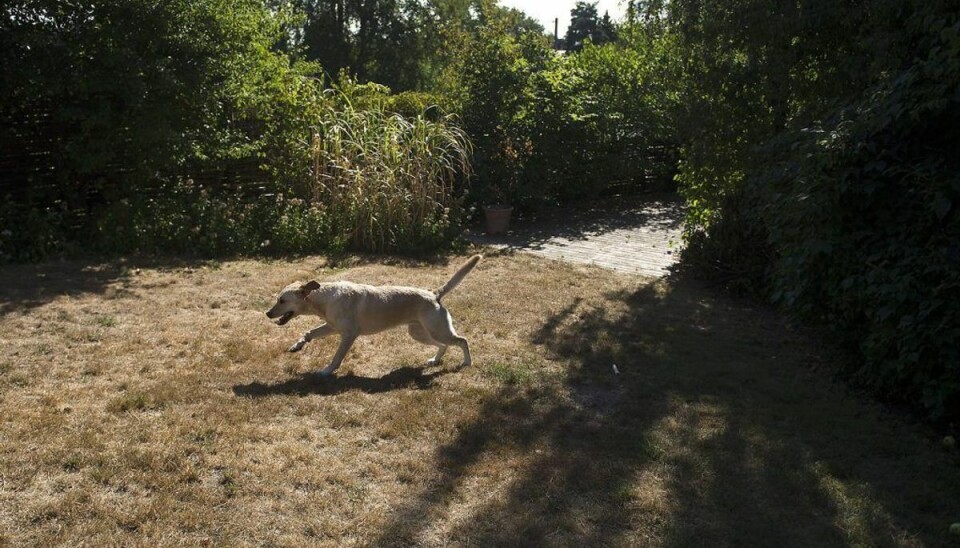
(465, 363)
(297, 346)
(328, 370)
(433, 361)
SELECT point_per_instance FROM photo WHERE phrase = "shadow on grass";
(25, 287)
(715, 433)
(307, 384)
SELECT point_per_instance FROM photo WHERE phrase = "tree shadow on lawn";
(307, 384)
(24, 287)
(716, 432)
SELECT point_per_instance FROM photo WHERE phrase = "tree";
(584, 24)
(518, 22)
(606, 30)
(384, 41)
(402, 44)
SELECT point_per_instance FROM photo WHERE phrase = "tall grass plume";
(387, 182)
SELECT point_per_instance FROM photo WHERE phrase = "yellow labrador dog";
(353, 309)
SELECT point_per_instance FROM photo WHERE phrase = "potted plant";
(498, 218)
(498, 208)
(498, 212)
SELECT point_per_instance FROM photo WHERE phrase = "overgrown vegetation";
(133, 135)
(389, 183)
(819, 162)
(552, 129)
(136, 135)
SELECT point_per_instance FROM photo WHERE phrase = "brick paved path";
(639, 235)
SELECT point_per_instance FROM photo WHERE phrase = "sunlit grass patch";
(513, 372)
(106, 320)
(133, 401)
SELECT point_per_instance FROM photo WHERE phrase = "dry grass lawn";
(154, 405)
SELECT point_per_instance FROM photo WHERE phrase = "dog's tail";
(458, 277)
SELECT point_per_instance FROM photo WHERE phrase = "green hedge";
(824, 172)
(864, 213)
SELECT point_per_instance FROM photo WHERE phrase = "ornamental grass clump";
(390, 183)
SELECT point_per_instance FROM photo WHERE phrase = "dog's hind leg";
(440, 327)
(420, 334)
(315, 333)
(346, 341)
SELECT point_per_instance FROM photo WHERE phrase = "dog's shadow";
(307, 384)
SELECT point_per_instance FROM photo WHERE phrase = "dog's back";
(373, 308)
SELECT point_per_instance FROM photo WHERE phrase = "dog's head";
(291, 301)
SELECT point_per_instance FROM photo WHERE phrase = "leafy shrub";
(552, 128)
(32, 232)
(411, 104)
(378, 182)
(494, 80)
(373, 96)
(599, 119)
(118, 91)
(193, 220)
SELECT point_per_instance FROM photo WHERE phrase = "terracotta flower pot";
(498, 218)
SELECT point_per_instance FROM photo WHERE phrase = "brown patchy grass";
(158, 407)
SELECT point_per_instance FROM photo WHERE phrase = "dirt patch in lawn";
(145, 404)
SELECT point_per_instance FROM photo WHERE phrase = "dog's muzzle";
(285, 318)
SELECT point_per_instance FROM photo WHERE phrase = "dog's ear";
(306, 288)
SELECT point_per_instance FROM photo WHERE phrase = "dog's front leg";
(315, 333)
(346, 341)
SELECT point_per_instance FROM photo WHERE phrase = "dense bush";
(599, 119)
(119, 91)
(411, 104)
(863, 211)
(820, 165)
(374, 96)
(552, 128)
(192, 220)
(108, 104)
(494, 87)
(375, 181)
(182, 218)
